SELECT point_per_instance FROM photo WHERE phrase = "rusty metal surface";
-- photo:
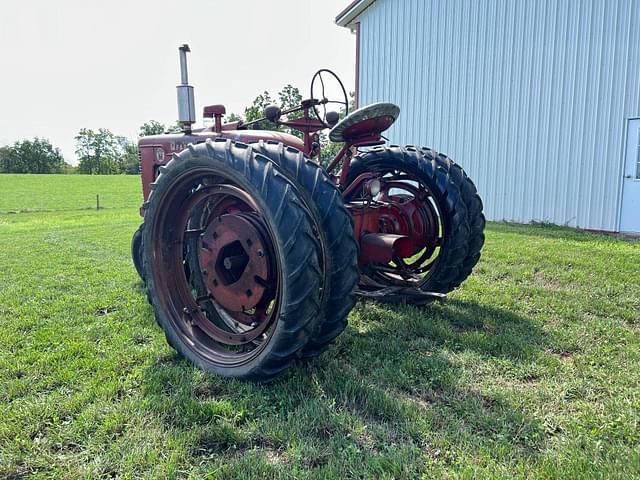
(234, 262)
(383, 247)
(212, 110)
(403, 217)
(394, 294)
(374, 290)
(201, 318)
(402, 209)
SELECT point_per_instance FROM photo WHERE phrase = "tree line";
(101, 152)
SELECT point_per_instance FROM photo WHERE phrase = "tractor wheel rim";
(234, 260)
(243, 332)
(417, 269)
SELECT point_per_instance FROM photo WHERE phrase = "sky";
(72, 64)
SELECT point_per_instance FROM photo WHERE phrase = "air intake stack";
(186, 102)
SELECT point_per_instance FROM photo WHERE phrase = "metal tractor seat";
(369, 121)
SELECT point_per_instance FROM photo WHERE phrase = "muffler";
(186, 101)
(382, 247)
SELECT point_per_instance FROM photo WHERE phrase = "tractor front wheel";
(136, 251)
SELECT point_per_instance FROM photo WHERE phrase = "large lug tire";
(473, 202)
(245, 187)
(136, 251)
(335, 227)
(458, 206)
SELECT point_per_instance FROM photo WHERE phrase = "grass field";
(38, 193)
(530, 370)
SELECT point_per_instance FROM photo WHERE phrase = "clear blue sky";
(70, 64)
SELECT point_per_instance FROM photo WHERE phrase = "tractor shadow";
(398, 378)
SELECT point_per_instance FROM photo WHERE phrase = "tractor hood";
(176, 142)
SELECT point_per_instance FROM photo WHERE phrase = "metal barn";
(538, 100)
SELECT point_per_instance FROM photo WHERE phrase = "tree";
(100, 152)
(31, 156)
(69, 169)
(4, 159)
(233, 117)
(152, 127)
(175, 128)
(288, 97)
(130, 161)
(256, 111)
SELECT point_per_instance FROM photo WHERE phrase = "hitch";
(373, 290)
(397, 294)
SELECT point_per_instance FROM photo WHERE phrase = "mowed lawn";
(531, 369)
(37, 193)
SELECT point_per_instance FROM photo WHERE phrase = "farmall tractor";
(253, 254)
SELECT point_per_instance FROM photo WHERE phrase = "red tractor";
(253, 254)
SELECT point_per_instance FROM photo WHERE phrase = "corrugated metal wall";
(530, 97)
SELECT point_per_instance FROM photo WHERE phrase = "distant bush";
(32, 156)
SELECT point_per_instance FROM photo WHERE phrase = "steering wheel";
(323, 100)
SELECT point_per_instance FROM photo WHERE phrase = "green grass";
(29, 193)
(530, 370)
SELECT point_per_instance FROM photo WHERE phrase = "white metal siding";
(530, 97)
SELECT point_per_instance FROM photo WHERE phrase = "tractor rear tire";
(459, 204)
(285, 230)
(472, 200)
(136, 251)
(335, 227)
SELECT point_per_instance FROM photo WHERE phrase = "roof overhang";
(347, 17)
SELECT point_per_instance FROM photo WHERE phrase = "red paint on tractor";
(363, 130)
(397, 216)
(395, 227)
(383, 247)
(217, 112)
(156, 150)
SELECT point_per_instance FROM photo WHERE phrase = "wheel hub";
(234, 259)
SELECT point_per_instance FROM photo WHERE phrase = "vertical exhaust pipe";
(186, 102)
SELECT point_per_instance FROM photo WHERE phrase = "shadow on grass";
(399, 381)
